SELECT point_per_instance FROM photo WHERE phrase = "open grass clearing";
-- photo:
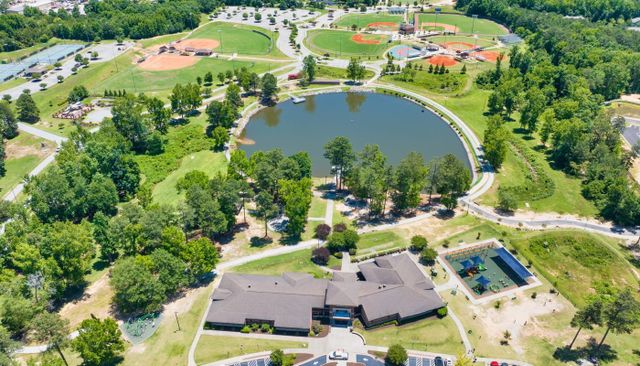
(318, 207)
(626, 109)
(160, 40)
(330, 72)
(380, 240)
(12, 83)
(209, 162)
(23, 154)
(298, 261)
(431, 334)
(363, 20)
(463, 23)
(213, 348)
(240, 38)
(340, 44)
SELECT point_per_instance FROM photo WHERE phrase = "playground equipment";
(137, 329)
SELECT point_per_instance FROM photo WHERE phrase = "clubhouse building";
(390, 288)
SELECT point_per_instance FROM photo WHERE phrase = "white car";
(339, 355)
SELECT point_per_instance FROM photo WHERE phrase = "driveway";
(318, 361)
(368, 360)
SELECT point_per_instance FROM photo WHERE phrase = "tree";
(160, 116)
(309, 67)
(208, 78)
(221, 114)
(322, 231)
(418, 242)
(221, 77)
(340, 154)
(192, 178)
(201, 256)
(370, 178)
(507, 200)
(428, 255)
(27, 109)
(233, 95)
(77, 94)
(343, 240)
(622, 315)
(220, 137)
(451, 179)
(130, 122)
(587, 317)
(185, 98)
(297, 201)
(136, 289)
(49, 328)
(99, 342)
(496, 139)
(204, 212)
(396, 355)
(355, 70)
(7, 346)
(409, 181)
(463, 360)
(535, 103)
(8, 123)
(265, 209)
(278, 358)
(320, 256)
(269, 87)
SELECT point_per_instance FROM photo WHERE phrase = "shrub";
(265, 328)
(534, 295)
(255, 327)
(396, 355)
(352, 251)
(342, 240)
(428, 255)
(339, 227)
(443, 311)
(320, 256)
(323, 231)
(245, 329)
(418, 243)
(497, 304)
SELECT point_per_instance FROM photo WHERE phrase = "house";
(390, 288)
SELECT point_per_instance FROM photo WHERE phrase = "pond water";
(397, 125)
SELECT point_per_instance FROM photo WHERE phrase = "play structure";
(138, 329)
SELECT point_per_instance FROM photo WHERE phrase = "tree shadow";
(100, 265)
(259, 242)
(290, 239)
(590, 351)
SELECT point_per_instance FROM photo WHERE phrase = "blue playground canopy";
(483, 281)
(514, 264)
(477, 260)
(466, 264)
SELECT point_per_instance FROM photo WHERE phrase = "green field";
(28, 157)
(363, 20)
(239, 38)
(340, 44)
(577, 262)
(380, 240)
(464, 23)
(432, 334)
(206, 161)
(330, 72)
(213, 348)
(318, 207)
(12, 83)
(451, 83)
(477, 42)
(167, 38)
(299, 261)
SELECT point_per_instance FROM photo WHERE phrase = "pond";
(397, 125)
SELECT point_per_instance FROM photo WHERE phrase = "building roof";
(393, 285)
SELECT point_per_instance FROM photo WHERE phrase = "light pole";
(473, 24)
(221, 43)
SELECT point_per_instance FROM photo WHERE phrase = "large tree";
(396, 355)
(266, 209)
(309, 67)
(136, 289)
(99, 342)
(49, 328)
(496, 140)
(450, 178)
(130, 122)
(8, 123)
(269, 87)
(587, 317)
(622, 315)
(340, 154)
(355, 70)
(297, 201)
(27, 109)
(409, 181)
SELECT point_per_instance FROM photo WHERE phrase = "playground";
(138, 329)
(487, 269)
(458, 23)
(383, 22)
(347, 44)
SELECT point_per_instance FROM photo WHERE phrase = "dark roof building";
(387, 289)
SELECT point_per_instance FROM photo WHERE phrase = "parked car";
(339, 355)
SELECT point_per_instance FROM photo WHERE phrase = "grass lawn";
(298, 261)
(464, 23)
(12, 83)
(576, 262)
(432, 334)
(340, 44)
(380, 240)
(215, 348)
(330, 72)
(209, 162)
(167, 38)
(450, 83)
(14, 55)
(23, 154)
(626, 109)
(363, 20)
(318, 207)
(240, 38)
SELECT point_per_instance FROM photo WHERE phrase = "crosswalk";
(257, 362)
(419, 361)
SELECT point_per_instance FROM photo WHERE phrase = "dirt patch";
(95, 300)
(16, 150)
(633, 98)
(166, 62)
(447, 61)
(491, 56)
(383, 25)
(440, 26)
(197, 43)
(365, 39)
(458, 46)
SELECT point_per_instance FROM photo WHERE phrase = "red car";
(495, 363)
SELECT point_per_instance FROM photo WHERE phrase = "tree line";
(558, 84)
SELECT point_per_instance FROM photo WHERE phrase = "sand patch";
(440, 26)
(491, 56)
(166, 62)
(458, 46)
(447, 61)
(383, 25)
(197, 43)
(366, 39)
(15, 150)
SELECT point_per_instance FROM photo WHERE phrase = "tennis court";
(48, 56)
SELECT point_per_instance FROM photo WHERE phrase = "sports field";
(461, 42)
(459, 24)
(347, 44)
(237, 38)
(374, 21)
